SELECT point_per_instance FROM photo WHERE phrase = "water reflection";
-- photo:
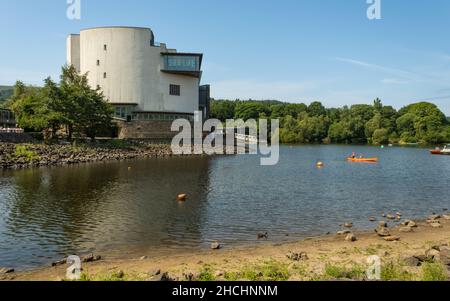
(99, 207)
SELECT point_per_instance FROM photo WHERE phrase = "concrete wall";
(73, 50)
(132, 66)
(159, 130)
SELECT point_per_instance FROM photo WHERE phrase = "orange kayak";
(369, 160)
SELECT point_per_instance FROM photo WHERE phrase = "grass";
(268, 271)
(343, 272)
(391, 271)
(22, 151)
(434, 271)
(206, 274)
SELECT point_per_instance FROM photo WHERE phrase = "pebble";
(215, 246)
(343, 232)
(382, 232)
(406, 229)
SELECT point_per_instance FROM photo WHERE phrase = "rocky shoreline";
(420, 254)
(26, 155)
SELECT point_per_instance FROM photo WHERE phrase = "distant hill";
(5, 93)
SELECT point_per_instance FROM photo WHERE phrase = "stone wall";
(15, 138)
(152, 129)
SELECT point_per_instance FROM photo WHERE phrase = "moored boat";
(444, 151)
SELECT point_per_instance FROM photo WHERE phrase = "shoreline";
(16, 156)
(421, 253)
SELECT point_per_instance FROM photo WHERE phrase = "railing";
(11, 130)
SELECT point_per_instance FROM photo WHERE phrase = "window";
(98, 62)
(104, 75)
(105, 47)
(175, 90)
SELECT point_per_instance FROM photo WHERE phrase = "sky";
(289, 50)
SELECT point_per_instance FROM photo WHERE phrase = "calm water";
(46, 214)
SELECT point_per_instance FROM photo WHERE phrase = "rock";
(154, 272)
(447, 217)
(409, 223)
(219, 274)
(182, 197)
(444, 255)
(343, 232)
(215, 246)
(372, 219)
(383, 224)
(161, 277)
(263, 235)
(350, 238)
(391, 217)
(434, 217)
(383, 215)
(383, 232)
(6, 270)
(297, 256)
(411, 261)
(391, 238)
(191, 276)
(435, 225)
(60, 262)
(143, 258)
(348, 225)
(432, 254)
(406, 229)
(91, 258)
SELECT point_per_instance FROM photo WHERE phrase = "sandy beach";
(419, 251)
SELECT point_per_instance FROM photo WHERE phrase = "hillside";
(5, 92)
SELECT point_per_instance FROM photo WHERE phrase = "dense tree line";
(70, 105)
(5, 93)
(375, 124)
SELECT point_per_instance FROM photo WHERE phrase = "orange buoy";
(182, 197)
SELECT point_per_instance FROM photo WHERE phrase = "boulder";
(390, 216)
(432, 254)
(60, 262)
(351, 238)
(411, 261)
(435, 225)
(191, 276)
(447, 217)
(343, 232)
(383, 224)
(215, 246)
(434, 217)
(161, 277)
(91, 258)
(406, 229)
(348, 225)
(391, 238)
(383, 232)
(372, 219)
(6, 270)
(444, 255)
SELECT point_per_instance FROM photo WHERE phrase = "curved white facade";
(132, 72)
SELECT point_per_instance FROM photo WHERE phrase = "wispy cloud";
(388, 70)
(252, 89)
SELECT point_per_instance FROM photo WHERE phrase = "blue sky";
(291, 50)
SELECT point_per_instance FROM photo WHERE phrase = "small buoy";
(182, 197)
(382, 147)
(320, 164)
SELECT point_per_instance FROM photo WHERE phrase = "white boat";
(444, 151)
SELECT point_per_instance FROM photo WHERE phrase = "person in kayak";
(353, 155)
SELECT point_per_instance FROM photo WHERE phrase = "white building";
(148, 84)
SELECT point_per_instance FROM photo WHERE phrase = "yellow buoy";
(182, 197)
(320, 164)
